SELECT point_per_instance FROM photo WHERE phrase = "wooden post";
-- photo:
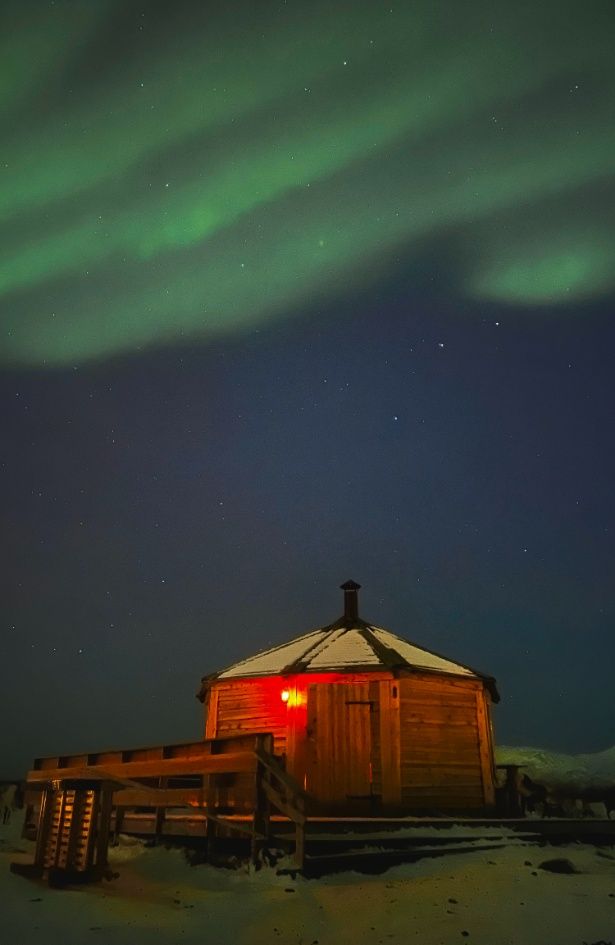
(211, 719)
(300, 835)
(42, 829)
(212, 833)
(512, 797)
(118, 824)
(390, 744)
(104, 825)
(27, 821)
(210, 800)
(261, 820)
(160, 814)
(485, 749)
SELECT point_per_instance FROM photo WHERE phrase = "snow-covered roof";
(348, 644)
(342, 648)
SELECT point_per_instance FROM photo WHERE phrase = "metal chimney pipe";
(351, 600)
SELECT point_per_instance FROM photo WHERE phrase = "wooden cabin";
(366, 721)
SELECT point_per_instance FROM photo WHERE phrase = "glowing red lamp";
(285, 695)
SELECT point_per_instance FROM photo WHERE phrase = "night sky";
(292, 293)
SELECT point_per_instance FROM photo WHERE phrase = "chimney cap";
(350, 586)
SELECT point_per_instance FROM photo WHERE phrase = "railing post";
(511, 800)
(212, 834)
(43, 827)
(261, 820)
(118, 824)
(104, 826)
(210, 803)
(300, 844)
(160, 813)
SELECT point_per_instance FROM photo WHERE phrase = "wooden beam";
(261, 818)
(486, 756)
(274, 766)
(160, 812)
(245, 740)
(45, 814)
(135, 785)
(104, 827)
(283, 804)
(229, 824)
(118, 823)
(144, 796)
(390, 743)
(211, 721)
(300, 845)
(229, 763)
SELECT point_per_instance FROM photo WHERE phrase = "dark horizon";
(294, 295)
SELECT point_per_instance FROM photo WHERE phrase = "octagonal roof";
(350, 644)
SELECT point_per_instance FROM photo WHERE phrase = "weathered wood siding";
(442, 765)
(245, 706)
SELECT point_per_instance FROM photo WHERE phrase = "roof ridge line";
(269, 649)
(302, 661)
(382, 652)
(440, 656)
(489, 680)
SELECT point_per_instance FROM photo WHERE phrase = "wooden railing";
(220, 778)
(285, 795)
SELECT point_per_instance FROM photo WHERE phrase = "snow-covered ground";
(493, 897)
(497, 896)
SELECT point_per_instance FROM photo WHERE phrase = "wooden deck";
(233, 796)
(371, 845)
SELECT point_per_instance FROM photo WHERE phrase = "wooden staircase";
(72, 832)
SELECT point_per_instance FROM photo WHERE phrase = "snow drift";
(576, 773)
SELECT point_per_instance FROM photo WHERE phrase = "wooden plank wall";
(441, 761)
(252, 705)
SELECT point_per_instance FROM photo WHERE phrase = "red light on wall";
(285, 695)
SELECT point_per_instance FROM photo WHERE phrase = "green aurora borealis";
(215, 172)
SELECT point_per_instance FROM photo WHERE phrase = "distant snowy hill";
(562, 771)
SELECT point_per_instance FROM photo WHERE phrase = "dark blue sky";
(170, 513)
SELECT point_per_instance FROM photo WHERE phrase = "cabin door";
(339, 757)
